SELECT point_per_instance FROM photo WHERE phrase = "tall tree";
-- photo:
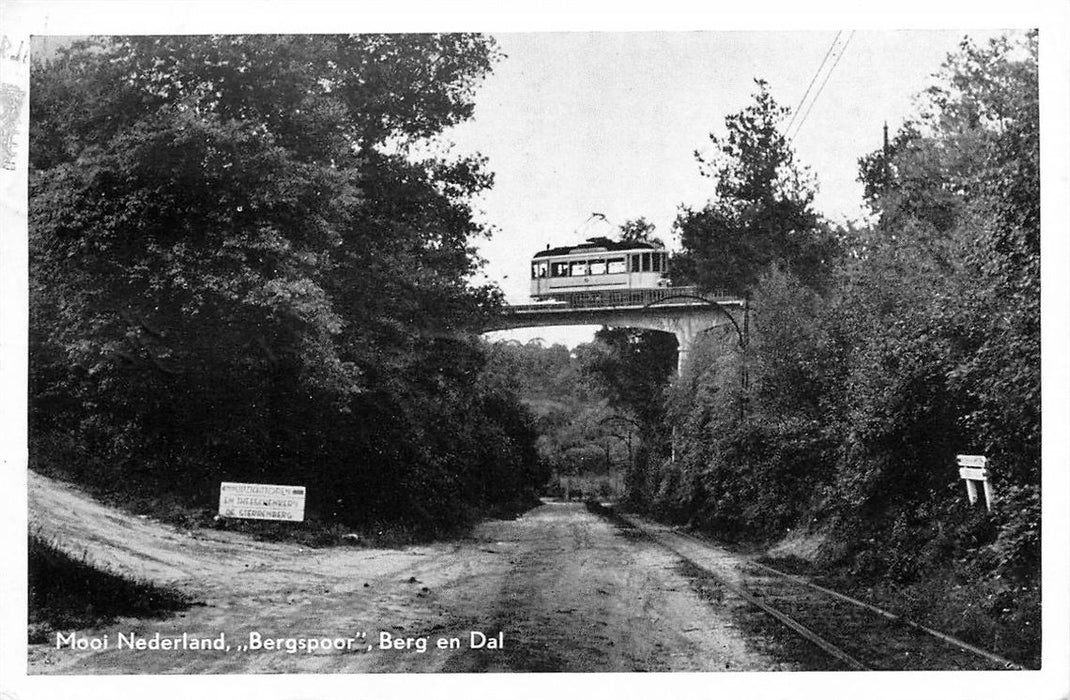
(761, 212)
(638, 231)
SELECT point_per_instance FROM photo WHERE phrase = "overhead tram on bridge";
(600, 272)
(617, 285)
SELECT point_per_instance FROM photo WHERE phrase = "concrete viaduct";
(682, 311)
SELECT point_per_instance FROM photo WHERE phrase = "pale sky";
(582, 122)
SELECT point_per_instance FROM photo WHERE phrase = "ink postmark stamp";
(12, 98)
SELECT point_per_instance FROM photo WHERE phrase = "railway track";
(832, 631)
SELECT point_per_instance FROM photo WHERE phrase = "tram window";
(598, 267)
(542, 268)
(646, 262)
(657, 262)
(559, 269)
(616, 266)
(635, 262)
(579, 268)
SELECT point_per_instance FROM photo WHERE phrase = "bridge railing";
(627, 298)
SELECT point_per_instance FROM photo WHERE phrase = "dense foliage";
(761, 212)
(872, 369)
(584, 444)
(241, 269)
(633, 367)
(599, 409)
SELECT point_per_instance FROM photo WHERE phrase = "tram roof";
(596, 245)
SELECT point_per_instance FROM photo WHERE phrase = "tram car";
(598, 270)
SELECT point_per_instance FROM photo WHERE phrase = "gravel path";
(558, 589)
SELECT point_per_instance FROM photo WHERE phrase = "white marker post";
(974, 468)
(262, 501)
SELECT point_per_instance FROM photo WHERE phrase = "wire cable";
(821, 67)
(823, 83)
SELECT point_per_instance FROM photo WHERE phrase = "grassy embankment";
(68, 592)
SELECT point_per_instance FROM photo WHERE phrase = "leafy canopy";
(761, 212)
(245, 264)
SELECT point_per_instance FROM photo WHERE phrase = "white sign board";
(262, 501)
(973, 473)
(974, 468)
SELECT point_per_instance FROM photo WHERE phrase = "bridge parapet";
(632, 299)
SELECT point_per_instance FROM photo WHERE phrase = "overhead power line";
(821, 88)
(795, 112)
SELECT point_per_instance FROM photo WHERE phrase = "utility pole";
(884, 160)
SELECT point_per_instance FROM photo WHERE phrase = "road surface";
(558, 589)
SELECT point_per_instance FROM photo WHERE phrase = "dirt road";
(558, 589)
